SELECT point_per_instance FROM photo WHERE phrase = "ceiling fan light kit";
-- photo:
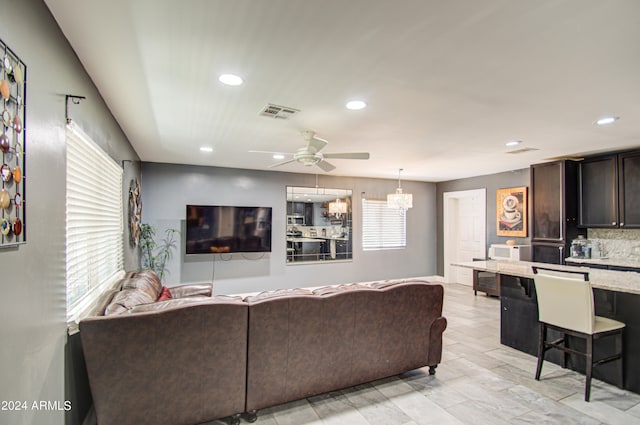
(311, 155)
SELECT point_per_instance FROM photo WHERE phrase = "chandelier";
(400, 200)
(337, 207)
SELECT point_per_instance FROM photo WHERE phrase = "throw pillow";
(165, 294)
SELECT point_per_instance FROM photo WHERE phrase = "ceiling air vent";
(523, 150)
(278, 112)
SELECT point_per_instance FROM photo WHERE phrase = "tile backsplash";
(617, 243)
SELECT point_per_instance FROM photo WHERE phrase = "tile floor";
(478, 382)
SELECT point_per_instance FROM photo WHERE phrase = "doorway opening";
(464, 232)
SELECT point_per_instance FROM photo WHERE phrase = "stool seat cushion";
(604, 324)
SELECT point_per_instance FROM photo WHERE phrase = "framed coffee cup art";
(511, 212)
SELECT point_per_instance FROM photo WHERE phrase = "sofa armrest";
(192, 290)
(435, 341)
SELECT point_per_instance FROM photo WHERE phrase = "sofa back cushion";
(146, 281)
(174, 303)
(277, 293)
(128, 298)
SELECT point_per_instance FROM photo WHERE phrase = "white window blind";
(382, 227)
(94, 248)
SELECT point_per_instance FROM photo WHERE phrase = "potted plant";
(155, 254)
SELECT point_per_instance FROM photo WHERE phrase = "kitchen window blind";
(94, 245)
(382, 227)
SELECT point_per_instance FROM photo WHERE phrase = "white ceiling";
(447, 82)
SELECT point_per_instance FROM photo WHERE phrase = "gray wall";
(166, 189)
(33, 306)
(491, 183)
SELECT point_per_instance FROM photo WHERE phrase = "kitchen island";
(616, 296)
(300, 248)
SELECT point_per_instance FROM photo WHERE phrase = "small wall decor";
(511, 212)
(135, 212)
(13, 89)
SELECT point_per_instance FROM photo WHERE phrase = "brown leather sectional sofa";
(189, 361)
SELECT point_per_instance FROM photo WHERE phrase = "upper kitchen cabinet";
(610, 191)
(554, 201)
(598, 192)
(629, 189)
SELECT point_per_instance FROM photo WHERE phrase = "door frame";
(450, 226)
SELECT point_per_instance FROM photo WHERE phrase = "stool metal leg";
(587, 385)
(620, 360)
(565, 354)
(542, 337)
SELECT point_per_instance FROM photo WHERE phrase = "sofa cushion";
(392, 282)
(333, 289)
(102, 302)
(114, 308)
(144, 280)
(191, 290)
(184, 302)
(278, 293)
(126, 299)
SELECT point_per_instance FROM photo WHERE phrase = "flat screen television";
(225, 229)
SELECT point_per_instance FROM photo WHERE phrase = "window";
(94, 248)
(382, 227)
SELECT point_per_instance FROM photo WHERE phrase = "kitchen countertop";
(611, 280)
(314, 239)
(303, 239)
(622, 262)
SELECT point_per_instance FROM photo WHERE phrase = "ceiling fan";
(311, 155)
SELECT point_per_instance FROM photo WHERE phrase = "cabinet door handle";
(613, 223)
(621, 224)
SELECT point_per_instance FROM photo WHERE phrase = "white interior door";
(465, 233)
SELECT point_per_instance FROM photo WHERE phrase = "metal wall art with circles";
(13, 92)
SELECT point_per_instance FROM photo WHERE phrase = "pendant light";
(399, 199)
(337, 207)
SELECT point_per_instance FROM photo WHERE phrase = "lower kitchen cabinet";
(518, 314)
(550, 253)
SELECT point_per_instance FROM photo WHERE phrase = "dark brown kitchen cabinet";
(610, 191)
(550, 253)
(301, 209)
(629, 189)
(554, 207)
(547, 183)
(598, 190)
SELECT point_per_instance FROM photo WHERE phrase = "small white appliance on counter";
(510, 252)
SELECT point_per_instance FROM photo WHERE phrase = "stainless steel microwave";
(295, 219)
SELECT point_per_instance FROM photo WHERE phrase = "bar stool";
(565, 304)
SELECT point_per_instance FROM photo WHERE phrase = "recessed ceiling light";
(356, 104)
(230, 79)
(278, 156)
(206, 148)
(607, 120)
(513, 143)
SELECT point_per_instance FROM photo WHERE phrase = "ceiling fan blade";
(282, 163)
(316, 144)
(325, 166)
(349, 155)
